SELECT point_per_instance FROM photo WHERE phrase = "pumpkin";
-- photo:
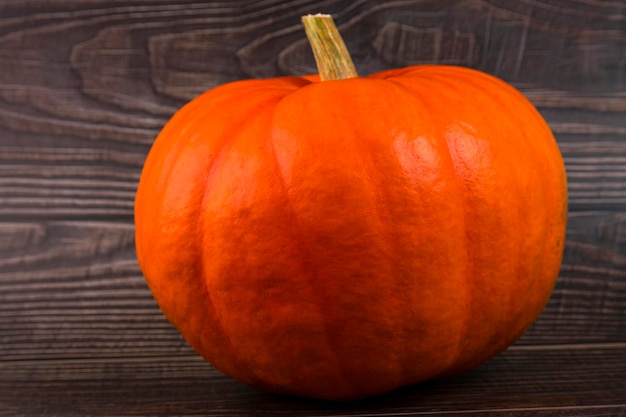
(340, 236)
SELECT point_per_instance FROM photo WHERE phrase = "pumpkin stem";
(331, 55)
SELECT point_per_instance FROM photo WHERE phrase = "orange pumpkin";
(338, 239)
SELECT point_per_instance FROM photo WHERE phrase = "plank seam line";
(493, 410)
(569, 346)
(120, 359)
(193, 357)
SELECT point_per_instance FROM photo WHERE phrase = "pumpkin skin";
(340, 239)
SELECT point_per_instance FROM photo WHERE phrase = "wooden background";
(85, 85)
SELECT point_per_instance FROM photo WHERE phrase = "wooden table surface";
(85, 85)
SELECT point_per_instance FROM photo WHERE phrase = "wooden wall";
(85, 85)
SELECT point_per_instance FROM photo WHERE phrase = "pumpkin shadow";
(431, 395)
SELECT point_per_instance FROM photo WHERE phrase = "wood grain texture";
(72, 290)
(84, 91)
(85, 86)
(517, 383)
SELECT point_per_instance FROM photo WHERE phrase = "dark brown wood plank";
(64, 177)
(97, 182)
(589, 300)
(74, 290)
(522, 383)
(84, 91)
(66, 182)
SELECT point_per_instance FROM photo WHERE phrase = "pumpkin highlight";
(338, 239)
